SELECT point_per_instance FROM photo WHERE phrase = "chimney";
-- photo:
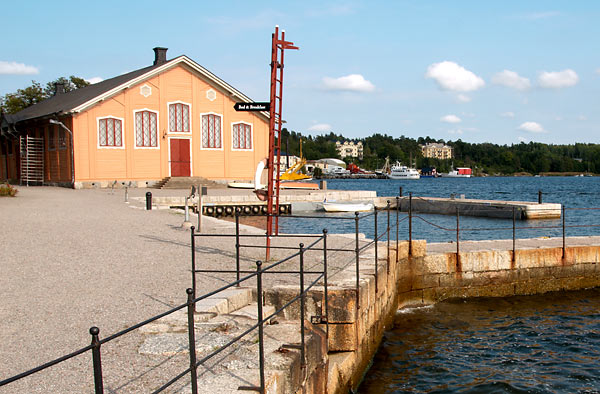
(59, 88)
(160, 55)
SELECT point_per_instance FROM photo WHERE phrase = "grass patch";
(7, 190)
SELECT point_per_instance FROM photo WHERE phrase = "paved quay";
(77, 258)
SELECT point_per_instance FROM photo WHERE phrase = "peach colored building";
(174, 118)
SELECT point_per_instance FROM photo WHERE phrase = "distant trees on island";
(484, 158)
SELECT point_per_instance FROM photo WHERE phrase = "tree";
(14, 102)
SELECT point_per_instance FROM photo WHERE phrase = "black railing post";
(457, 238)
(388, 236)
(376, 247)
(539, 196)
(193, 243)
(192, 340)
(261, 344)
(514, 251)
(357, 253)
(302, 307)
(325, 307)
(400, 191)
(410, 224)
(97, 361)
(397, 224)
(237, 245)
(564, 239)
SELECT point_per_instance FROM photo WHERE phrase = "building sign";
(252, 106)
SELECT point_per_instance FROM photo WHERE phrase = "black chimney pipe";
(160, 55)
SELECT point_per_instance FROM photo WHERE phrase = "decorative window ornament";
(211, 94)
(179, 118)
(242, 136)
(145, 90)
(145, 129)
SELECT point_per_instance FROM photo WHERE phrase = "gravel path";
(72, 259)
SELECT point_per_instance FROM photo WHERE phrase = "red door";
(180, 157)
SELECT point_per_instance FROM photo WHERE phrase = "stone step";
(251, 311)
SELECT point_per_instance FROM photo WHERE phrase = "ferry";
(399, 171)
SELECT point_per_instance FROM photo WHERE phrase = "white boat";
(459, 172)
(399, 171)
(333, 206)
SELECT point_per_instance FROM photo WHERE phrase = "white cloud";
(450, 119)
(320, 127)
(457, 131)
(511, 79)
(522, 139)
(451, 76)
(508, 114)
(14, 68)
(94, 80)
(463, 98)
(532, 127)
(558, 79)
(352, 82)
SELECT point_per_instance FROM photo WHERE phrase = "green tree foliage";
(14, 102)
(484, 158)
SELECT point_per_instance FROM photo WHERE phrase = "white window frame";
(202, 131)
(122, 132)
(169, 118)
(251, 136)
(158, 136)
(181, 137)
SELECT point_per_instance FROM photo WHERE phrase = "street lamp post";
(61, 124)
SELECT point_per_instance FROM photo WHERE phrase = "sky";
(482, 71)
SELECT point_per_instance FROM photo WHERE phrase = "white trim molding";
(202, 131)
(169, 118)
(98, 119)
(158, 136)
(233, 148)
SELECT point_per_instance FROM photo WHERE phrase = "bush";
(7, 190)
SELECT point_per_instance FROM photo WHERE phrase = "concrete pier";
(524, 210)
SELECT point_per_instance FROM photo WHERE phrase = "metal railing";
(300, 251)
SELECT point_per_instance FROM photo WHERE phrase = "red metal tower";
(278, 45)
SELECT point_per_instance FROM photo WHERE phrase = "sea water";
(535, 344)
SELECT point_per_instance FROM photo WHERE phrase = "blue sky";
(481, 71)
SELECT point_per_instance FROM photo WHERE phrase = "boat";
(459, 172)
(399, 171)
(332, 206)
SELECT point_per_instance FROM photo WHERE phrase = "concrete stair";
(185, 182)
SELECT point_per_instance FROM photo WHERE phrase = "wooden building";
(173, 118)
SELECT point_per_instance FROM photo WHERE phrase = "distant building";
(437, 151)
(350, 149)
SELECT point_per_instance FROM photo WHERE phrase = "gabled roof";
(81, 99)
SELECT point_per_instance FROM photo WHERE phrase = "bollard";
(400, 192)
(148, 201)
(539, 196)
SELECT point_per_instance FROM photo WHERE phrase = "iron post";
(410, 224)
(148, 201)
(261, 344)
(193, 243)
(388, 236)
(325, 307)
(564, 240)
(376, 247)
(514, 251)
(192, 340)
(397, 224)
(357, 253)
(237, 244)
(97, 361)
(457, 237)
(302, 307)
(539, 196)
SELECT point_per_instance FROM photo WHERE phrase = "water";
(534, 344)
(572, 192)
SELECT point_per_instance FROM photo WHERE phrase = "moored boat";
(333, 206)
(459, 172)
(399, 171)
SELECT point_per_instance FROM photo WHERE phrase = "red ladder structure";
(278, 46)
